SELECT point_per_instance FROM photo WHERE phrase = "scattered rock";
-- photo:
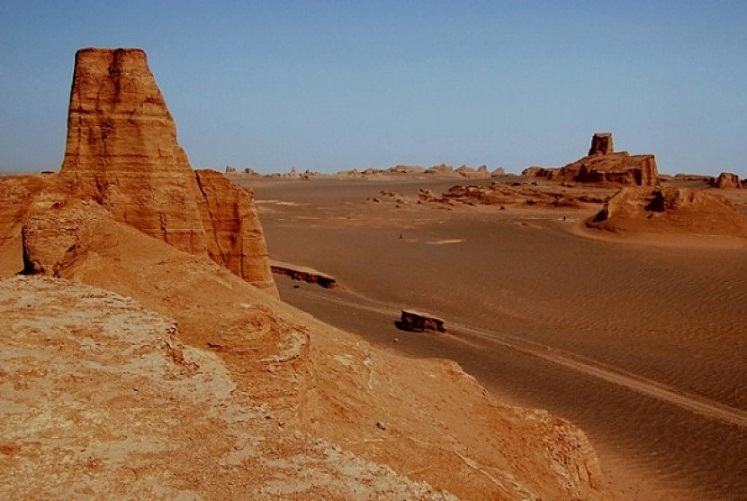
(305, 274)
(416, 321)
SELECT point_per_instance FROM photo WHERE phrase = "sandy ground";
(642, 345)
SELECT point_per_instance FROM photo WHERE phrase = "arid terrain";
(147, 354)
(635, 334)
(180, 334)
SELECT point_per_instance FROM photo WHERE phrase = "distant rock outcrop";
(305, 274)
(441, 170)
(669, 210)
(726, 180)
(602, 144)
(58, 238)
(122, 152)
(603, 165)
(237, 240)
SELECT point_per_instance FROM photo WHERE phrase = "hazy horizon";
(329, 86)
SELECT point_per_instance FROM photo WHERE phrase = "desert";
(181, 333)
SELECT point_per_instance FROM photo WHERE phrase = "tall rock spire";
(123, 153)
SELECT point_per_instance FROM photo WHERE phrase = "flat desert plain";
(641, 342)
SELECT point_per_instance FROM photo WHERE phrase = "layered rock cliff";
(726, 180)
(122, 152)
(288, 387)
(236, 240)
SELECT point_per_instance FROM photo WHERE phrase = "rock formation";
(726, 180)
(122, 152)
(304, 274)
(603, 165)
(523, 194)
(416, 321)
(601, 144)
(235, 236)
(669, 210)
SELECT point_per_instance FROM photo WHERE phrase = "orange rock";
(726, 180)
(236, 239)
(122, 152)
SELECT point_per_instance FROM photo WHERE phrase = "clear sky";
(332, 85)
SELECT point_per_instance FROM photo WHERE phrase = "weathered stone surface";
(441, 170)
(57, 238)
(417, 321)
(602, 144)
(237, 240)
(726, 180)
(122, 152)
(17, 194)
(122, 149)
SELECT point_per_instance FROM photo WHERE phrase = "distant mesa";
(603, 165)
(441, 170)
(726, 180)
(670, 210)
(230, 170)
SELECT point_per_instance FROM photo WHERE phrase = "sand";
(640, 343)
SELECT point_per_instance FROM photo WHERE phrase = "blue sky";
(332, 85)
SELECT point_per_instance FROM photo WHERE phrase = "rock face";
(304, 274)
(603, 165)
(237, 241)
(601, 144)
(122, 152)
(726, 180)
(55, 240)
